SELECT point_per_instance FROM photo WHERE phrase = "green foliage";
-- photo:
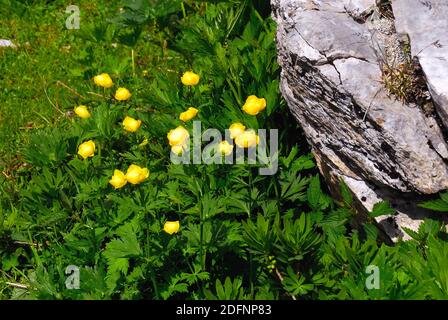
(381, 208)
(242, 235)
(231, 290)
(440, 205)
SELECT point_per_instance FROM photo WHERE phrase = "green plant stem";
(251, 275)
(2, 218)
(201, 236)
(201, 227)
(251, 280)
(156, 289)
(184, 13)
(133, 63)
(234, 91)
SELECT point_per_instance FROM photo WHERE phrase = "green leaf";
(314, 193)
(439, 205)
(380, 209)
(346, 194)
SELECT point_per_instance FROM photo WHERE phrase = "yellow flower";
(236, 129)
(171, 227)
(82, 112)
(118, 179)
(86, 149)
(103, 80)
(248, 139)
(190, 78)
(254, 105)
(178, 136)
(131, 124)
(189, 114)
(225, 148)
(136, 174)
(122, 94)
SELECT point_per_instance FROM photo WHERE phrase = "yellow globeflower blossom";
(87, 149)
(248, 139)
(189, 114)
(103, 80)
(122, 94)
(82, 112)
(118, 179)
(178, 136)
(225, 148)
(171, 227)
(190, 78)
(136, 174)
(131, 124)
(254, 105)
(236, 129)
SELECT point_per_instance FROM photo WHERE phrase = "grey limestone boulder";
(335, 58)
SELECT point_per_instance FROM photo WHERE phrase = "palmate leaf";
(303, 163)
(118, 251)
(286, 161)
(230, 290)
(426, 229)
(346, 194)
(313, 192)
(295, 284)
(440, 205)
(437, 264)
(380, 209)
(212, 206)
(46, 148)
(261, 236)
(297, 238)
(126, 246)
(293, 186)
(116, 268)
(177, 284)
(138, 12)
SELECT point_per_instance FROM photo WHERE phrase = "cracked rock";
(332, 80)
(426, 24)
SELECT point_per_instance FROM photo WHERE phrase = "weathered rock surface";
(331, 54)
(426, 23)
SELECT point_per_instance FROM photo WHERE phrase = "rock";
(332, 55)
(359, 8)
(7, 43)
(426, 23)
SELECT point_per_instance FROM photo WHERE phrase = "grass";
(47, 54)
(242, 235)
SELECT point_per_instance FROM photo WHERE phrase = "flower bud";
(190, 78)
(254, 105)
(131, 124)
(87, 149)
(171, 227)
(122, 94)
